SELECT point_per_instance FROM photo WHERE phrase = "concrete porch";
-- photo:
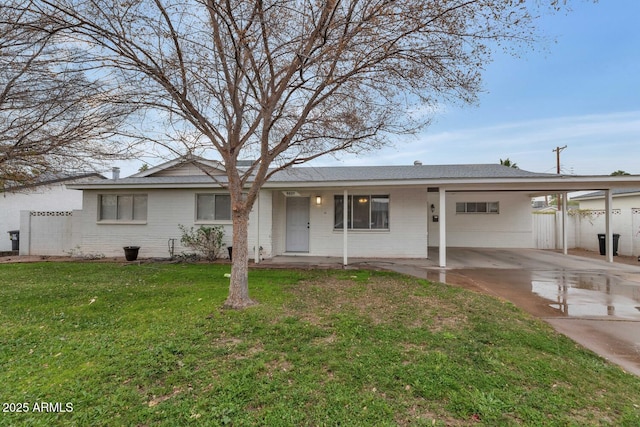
(463, 258)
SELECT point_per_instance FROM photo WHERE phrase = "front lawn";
(105, 344)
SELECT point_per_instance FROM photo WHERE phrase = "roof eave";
(553, 184)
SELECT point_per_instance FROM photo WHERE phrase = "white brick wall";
(511, 228)
(263, 205)
(410, 224)
(406, 236)
(166, 209)
(409, 215)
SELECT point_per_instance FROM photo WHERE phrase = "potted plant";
(131, 252)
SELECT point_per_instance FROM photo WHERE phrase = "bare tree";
(53, 118)
(286, 81)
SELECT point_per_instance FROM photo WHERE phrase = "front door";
(297, 224)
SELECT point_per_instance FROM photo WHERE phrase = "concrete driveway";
(595, 303)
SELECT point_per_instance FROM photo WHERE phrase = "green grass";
(150, 345)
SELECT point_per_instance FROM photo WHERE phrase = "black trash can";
(131, 252)
(14, 236)
(602, 240)
(230, 249)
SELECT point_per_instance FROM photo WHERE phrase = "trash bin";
(14, 236)
(602, 240)
(131, 252)
(230, 249)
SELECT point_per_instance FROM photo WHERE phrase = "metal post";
(608, 203)
(565, 243)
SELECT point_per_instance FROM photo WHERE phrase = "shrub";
(207, 241)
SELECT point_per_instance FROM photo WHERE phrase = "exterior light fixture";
(318, 200)
(433, 208)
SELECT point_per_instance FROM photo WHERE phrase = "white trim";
(120, 222)
(536, 185)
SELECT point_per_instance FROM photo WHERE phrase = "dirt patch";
(156, 400)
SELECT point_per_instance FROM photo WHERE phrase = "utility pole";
(557, 151)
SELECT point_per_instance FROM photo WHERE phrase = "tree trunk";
(239, 285)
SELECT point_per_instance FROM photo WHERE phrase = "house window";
(366, 212)
(123, 207)
(213, 207)
(478, 207)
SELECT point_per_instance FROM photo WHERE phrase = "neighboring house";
(391, 211)
(47, 195)
(623, 198)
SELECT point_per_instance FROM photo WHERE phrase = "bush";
(207, 241)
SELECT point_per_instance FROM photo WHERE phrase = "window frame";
(368, 199)
(134, 210)
(213, 220)
(477, 208)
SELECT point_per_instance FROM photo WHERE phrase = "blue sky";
(580, 88)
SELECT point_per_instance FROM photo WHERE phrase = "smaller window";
(478, 207)
(213, 207)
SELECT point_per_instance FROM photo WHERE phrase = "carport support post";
(442, 250)
(608, 203)
(565, 249)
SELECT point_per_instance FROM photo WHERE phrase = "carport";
(535, 186)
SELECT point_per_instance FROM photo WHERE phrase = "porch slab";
(464, 258)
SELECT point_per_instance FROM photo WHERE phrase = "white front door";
(297, 224)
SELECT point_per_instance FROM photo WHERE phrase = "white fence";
(545, 230)
(45, 233)
(583, 228)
